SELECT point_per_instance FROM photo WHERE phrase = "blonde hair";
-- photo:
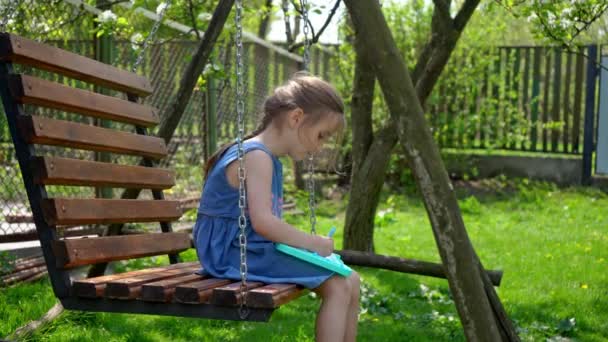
(313, 95)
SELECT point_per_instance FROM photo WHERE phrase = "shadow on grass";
(395, 311)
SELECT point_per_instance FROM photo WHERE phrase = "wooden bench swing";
(172, 290)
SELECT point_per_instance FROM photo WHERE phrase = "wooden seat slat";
(163, 290)
(198, 292)
(75, 252)
(273, 295)
(230, 294)
(50, 170)
(95, 287)
(41, 56)
(130, 288)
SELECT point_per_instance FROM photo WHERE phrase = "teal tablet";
(333, 262)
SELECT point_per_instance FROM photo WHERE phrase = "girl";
(298, 119)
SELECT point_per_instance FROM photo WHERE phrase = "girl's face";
(310, 138)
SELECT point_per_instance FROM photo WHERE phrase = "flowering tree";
(559, 21)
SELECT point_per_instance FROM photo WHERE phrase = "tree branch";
(263, 29)
(442, 8)
(464, 14)
(25, 331)
(443, 43)
(301, 13)
(116, 2)
(316, 37)
(288, 36)
(193, 19)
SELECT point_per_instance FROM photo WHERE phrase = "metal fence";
(519, 98)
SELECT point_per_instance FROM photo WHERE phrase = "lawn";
(551, 243)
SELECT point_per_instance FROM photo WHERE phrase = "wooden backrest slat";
(76, 252)
(50, 170)
(45, 131)
(68, 211)
(32, 90)
(28, 52)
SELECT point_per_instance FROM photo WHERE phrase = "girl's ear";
(295, 117)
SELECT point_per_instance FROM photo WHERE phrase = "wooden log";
(403, 265)
(25, 331)
(24, 264)
(21, 275)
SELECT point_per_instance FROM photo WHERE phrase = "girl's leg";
(352, 316)
(331, 319)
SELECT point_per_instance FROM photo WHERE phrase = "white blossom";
(161, 7)
(204, 16)
(107, 16)
(135, 39)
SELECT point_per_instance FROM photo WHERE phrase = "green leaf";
(122, 21)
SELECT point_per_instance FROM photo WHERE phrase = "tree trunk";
(360, 213)
(366, 185)
(177, 107)
(482, 317)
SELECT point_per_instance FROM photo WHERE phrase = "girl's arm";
(259, 184)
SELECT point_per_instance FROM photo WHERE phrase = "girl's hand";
(322, 245)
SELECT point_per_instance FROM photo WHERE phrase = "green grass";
(552, 245)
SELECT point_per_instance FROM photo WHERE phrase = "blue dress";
(216, 231)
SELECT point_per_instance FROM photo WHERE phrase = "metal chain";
(7, 14)
(305, 30)
(240, 111)
(311, 164)
(311, 194)
(152, 33)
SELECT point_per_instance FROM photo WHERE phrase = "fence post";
(211, 117)
(103, 52)
(588, 137)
